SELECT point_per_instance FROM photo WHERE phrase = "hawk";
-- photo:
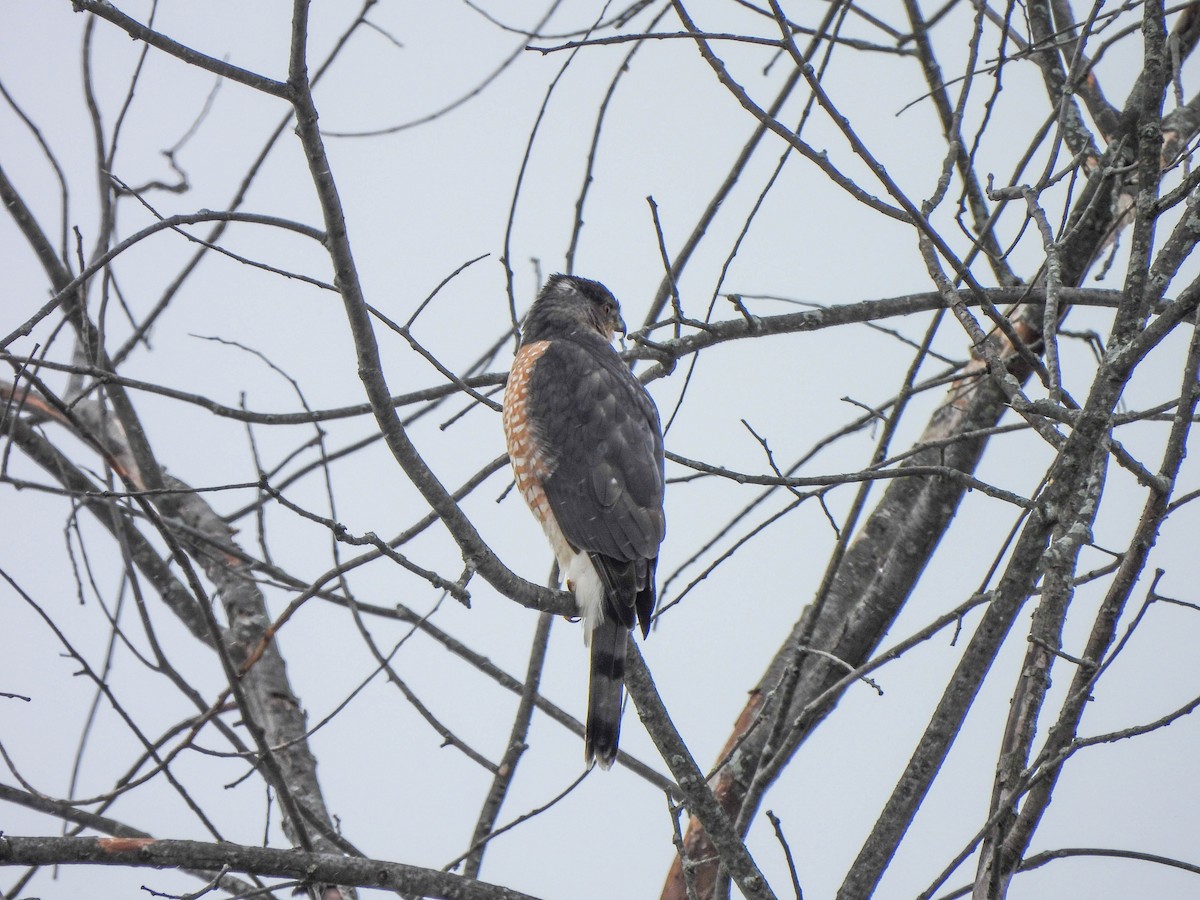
(586, 446)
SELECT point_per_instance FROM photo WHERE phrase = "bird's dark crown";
(568, 305)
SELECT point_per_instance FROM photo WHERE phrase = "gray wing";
(600, 432)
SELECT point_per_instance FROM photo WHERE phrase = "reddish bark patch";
(123, 845)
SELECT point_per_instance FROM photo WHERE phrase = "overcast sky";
(423, 200)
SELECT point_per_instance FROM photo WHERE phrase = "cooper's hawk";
(587, 449)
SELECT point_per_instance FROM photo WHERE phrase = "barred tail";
(606, 691)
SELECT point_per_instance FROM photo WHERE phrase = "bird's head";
(569, 304)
